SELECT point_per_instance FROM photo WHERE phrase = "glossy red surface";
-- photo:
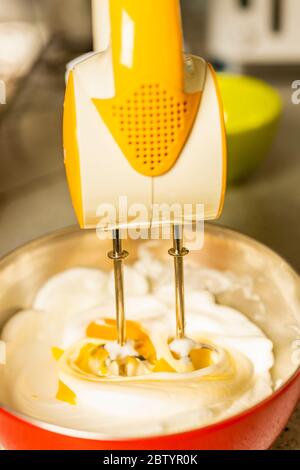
(255, 429)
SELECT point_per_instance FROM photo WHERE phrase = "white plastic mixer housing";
(142, 61)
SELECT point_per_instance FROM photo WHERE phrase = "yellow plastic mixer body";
(141, 119)
(150, 116)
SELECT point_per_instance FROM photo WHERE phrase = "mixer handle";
(101, 25)
(145, 38)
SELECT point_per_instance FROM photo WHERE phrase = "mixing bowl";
(275, 307)
(252, 113)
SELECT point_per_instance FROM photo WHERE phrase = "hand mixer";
(144, 120)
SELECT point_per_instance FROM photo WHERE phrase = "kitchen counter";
(34, 198)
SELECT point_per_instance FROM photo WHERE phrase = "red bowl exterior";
(255, 429)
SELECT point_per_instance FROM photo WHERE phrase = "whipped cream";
(44, 378)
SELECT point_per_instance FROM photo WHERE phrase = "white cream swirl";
(154, 403)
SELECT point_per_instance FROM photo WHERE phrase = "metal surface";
(179, 252)
(118, 255)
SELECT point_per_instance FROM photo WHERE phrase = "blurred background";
(252, 38)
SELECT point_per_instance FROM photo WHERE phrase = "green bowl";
(252, 112)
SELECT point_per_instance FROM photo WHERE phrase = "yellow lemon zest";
(108, 332)
(65, 394)
(201, 358)
(57, 353)
(163, 366)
